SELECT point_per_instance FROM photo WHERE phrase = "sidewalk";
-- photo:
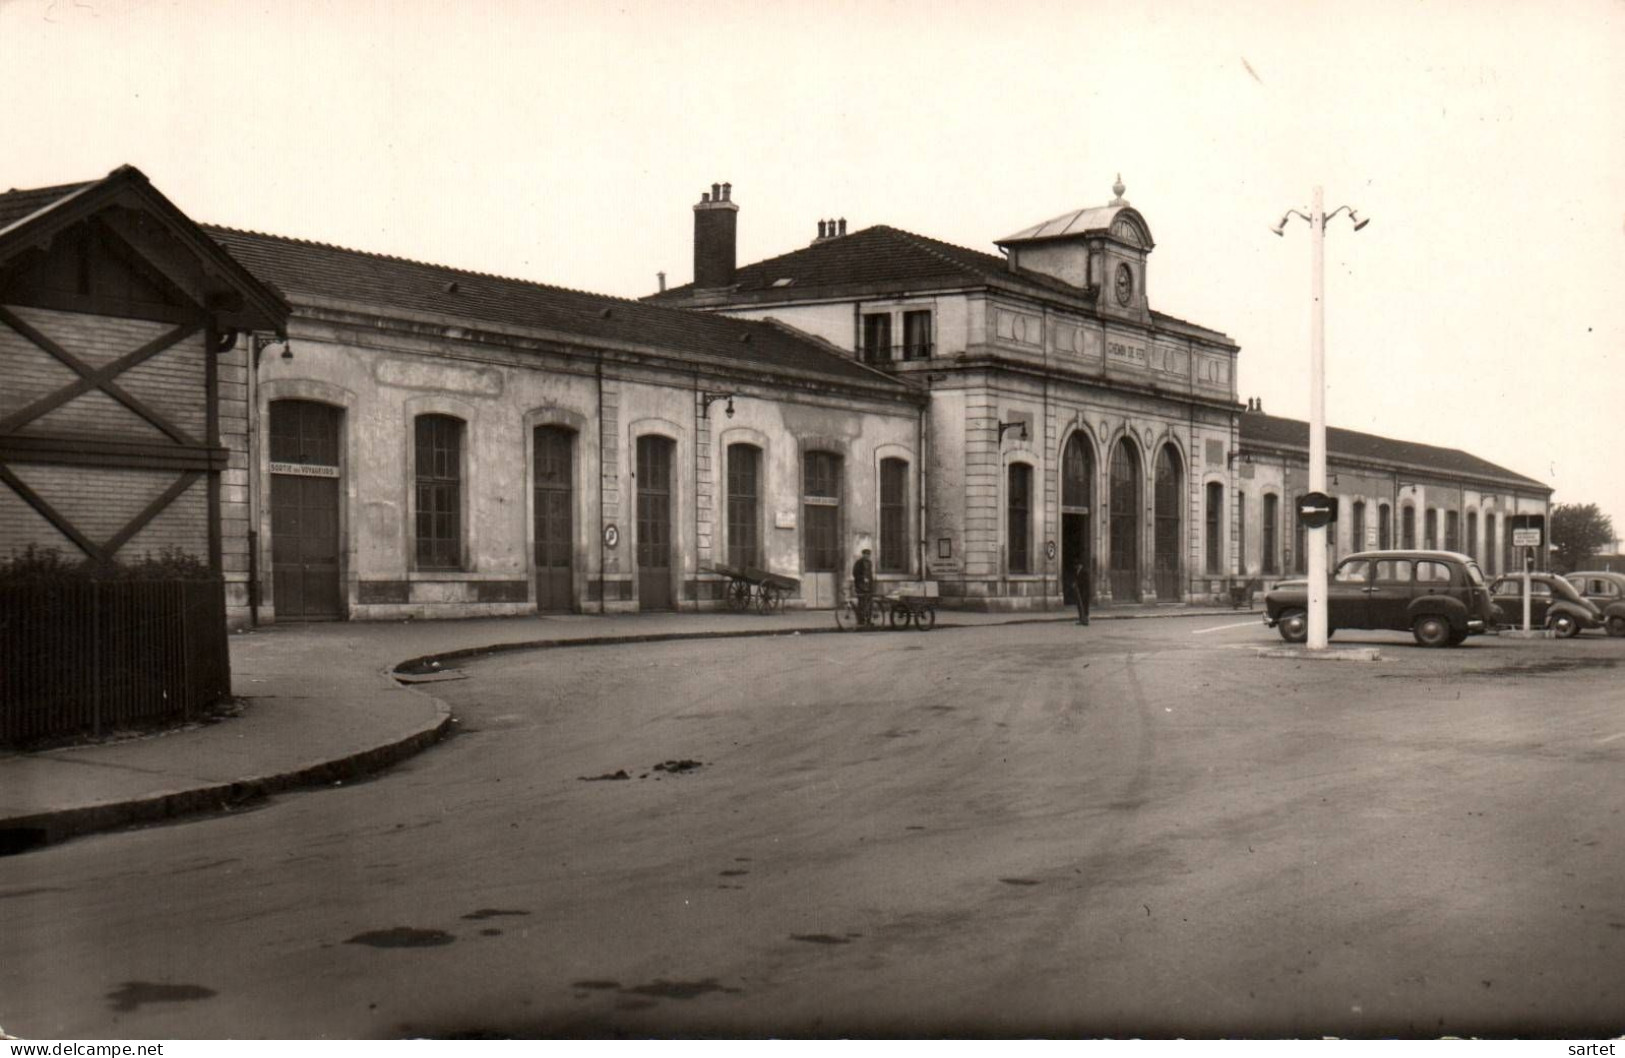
(323, 706)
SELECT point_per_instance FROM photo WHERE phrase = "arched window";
(1241, 532)
(1491, 552)
(821, 512)
(1019, 505)
(744, 506)
(1357, 530)
(1407, 535)
(1452, 530)
(1215, 527)
(1430, 534)
(1077, 512)
(1272, 516)
(1472, 534)
(894, 516)
(1385, 527)
(439, 491)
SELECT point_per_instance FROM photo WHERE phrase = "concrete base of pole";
(1328, 654)
(1518, 633)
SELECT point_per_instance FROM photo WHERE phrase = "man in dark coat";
(1080, 589)
(863, 582)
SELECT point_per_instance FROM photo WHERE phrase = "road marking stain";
(1220, 628)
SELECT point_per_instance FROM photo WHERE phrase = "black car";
(1606, 591)
(1553, 603)
(1438, 596)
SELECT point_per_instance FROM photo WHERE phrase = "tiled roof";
(1258, 428)
(311, 269)
(885, 257)
(16, 204)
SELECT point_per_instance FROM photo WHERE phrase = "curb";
(21, 833)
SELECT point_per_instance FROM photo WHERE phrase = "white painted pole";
(1315, 539)
(1526, 561)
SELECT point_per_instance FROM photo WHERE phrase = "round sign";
(1049, 550)
(612, 535)
(1315, 509)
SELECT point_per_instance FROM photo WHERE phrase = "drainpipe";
(603, 581)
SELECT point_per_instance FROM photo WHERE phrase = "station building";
(1070, 420)
(380, 438)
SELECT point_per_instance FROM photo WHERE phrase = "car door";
(1348, 594)
(1507, 595)
(1388, 597)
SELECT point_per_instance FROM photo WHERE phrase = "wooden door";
(654, 464)
(305, 479)
(554, 505)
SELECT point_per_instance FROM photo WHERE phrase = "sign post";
(1526, 540)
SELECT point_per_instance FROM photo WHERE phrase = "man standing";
(1080, 589)
(863, 582)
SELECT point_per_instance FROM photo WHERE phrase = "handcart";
(756, 589)
(908, 606)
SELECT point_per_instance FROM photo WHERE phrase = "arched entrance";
(1125, 522)
(654, 461)
(305, 511)
(1077, 501)
(1166, 551)
(554, 498)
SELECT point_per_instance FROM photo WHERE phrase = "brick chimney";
(716, 228)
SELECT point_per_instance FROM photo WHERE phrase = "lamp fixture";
(262, 342)
(708, 398)
(1019, 424)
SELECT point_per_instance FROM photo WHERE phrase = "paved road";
(1135, 829)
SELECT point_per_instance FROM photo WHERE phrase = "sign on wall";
(305, 470)
(1526, 538)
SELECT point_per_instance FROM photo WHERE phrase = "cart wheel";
(771, 599)
(738, 595)
(898, 617)
(846, 616)
(926, 619)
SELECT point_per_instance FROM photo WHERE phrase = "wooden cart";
(756, 589)
(908, 606)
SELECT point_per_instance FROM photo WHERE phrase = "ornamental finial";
(1118, 189)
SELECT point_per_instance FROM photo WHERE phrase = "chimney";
(716, 229)
(842, 223)
(662, 277)
(830, 229)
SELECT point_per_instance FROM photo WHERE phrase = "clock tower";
(1100, 250)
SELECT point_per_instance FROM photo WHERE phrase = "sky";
(1483, 307)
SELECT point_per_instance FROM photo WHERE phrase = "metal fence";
(87, 657)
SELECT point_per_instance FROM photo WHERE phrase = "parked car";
(1606, 591)
(1438, 596)
(1553, 603)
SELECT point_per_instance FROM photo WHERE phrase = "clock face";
(1125, 284)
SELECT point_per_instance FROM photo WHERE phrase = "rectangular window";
(1241, 532)
(1215, 535)
(1430, 534)
(439, 457)
(1357, 531)
(917, 335)
(1300, 550)
(821, 512)
(1272, 504)
(1408, 528)
(876, 337)
(1472, 534)
(1452, 531)
(1019, 521)
(1491, 553)
(1385, 528)
(744, 506)
(893, 516)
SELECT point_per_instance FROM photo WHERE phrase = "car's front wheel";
(1564, 626)
(1431, 630)
(1293, 626)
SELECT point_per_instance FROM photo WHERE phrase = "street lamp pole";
(1315, 539)
(1315, 536)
